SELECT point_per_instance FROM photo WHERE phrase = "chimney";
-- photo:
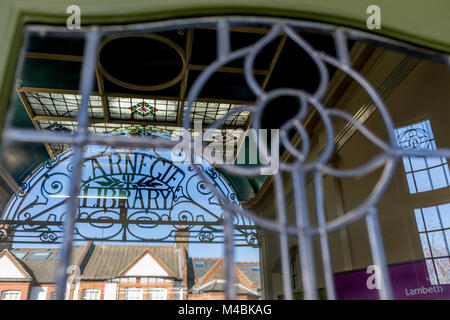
(6, 237)
(182, 238)
(182, 246)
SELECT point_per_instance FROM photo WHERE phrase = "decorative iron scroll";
(415, 138)
(300, 171)
(126, 195)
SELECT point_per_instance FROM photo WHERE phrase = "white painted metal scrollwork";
(299, 170)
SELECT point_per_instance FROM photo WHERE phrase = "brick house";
(209, 283)
(30, 273)
(122, 272)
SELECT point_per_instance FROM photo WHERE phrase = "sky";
(422, 174)
(104, 174)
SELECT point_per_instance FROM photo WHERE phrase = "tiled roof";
(108, 262)
(204, 273)
(202, 265)
(27, 273)
(43, 270)
(249, 269)
(220, 287)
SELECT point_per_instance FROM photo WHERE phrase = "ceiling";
(143, 81)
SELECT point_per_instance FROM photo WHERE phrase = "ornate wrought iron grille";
(126, 195)
(299, 170)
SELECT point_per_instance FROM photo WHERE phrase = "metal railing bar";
(284, 244)
(378, 255)
(305, 249)
(323, 236)
(86, 85)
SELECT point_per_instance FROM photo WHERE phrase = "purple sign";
(409, 282)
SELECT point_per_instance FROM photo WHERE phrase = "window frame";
(30, 256)
(412, 182)
(429, 256)
(417, 197)
(42, 12)
(20, 255)
(431, 34)
(89, 291)
(136, 289)
(8, 292)
(162, 289)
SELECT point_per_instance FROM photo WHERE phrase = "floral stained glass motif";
(143, 109)
(140, 131)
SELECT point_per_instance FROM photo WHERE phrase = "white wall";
(8, 270)
(38, 293)
(110, 291)
(147, 266)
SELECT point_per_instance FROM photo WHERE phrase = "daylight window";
(158, 294)
(38, 255)
(91, 294)
(20, 255)
(133, 294)
(433, 224)
(199, 264)
(11, 295)
(422, 173)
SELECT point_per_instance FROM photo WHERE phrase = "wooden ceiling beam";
(118, 121)
(184, 81)
(101, 89)
(53, 90)
(53, 56)
(103, 121)
(36, 125)
(198, 67)
(273, 63)
(131, 95)
(188, 50)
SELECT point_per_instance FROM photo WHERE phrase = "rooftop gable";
(11, 268)
(147, 265)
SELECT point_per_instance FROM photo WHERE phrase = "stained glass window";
(143, 108)
(57, 110)
(140, 131)
(208, 112)
(61, 104)
(422, 173)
